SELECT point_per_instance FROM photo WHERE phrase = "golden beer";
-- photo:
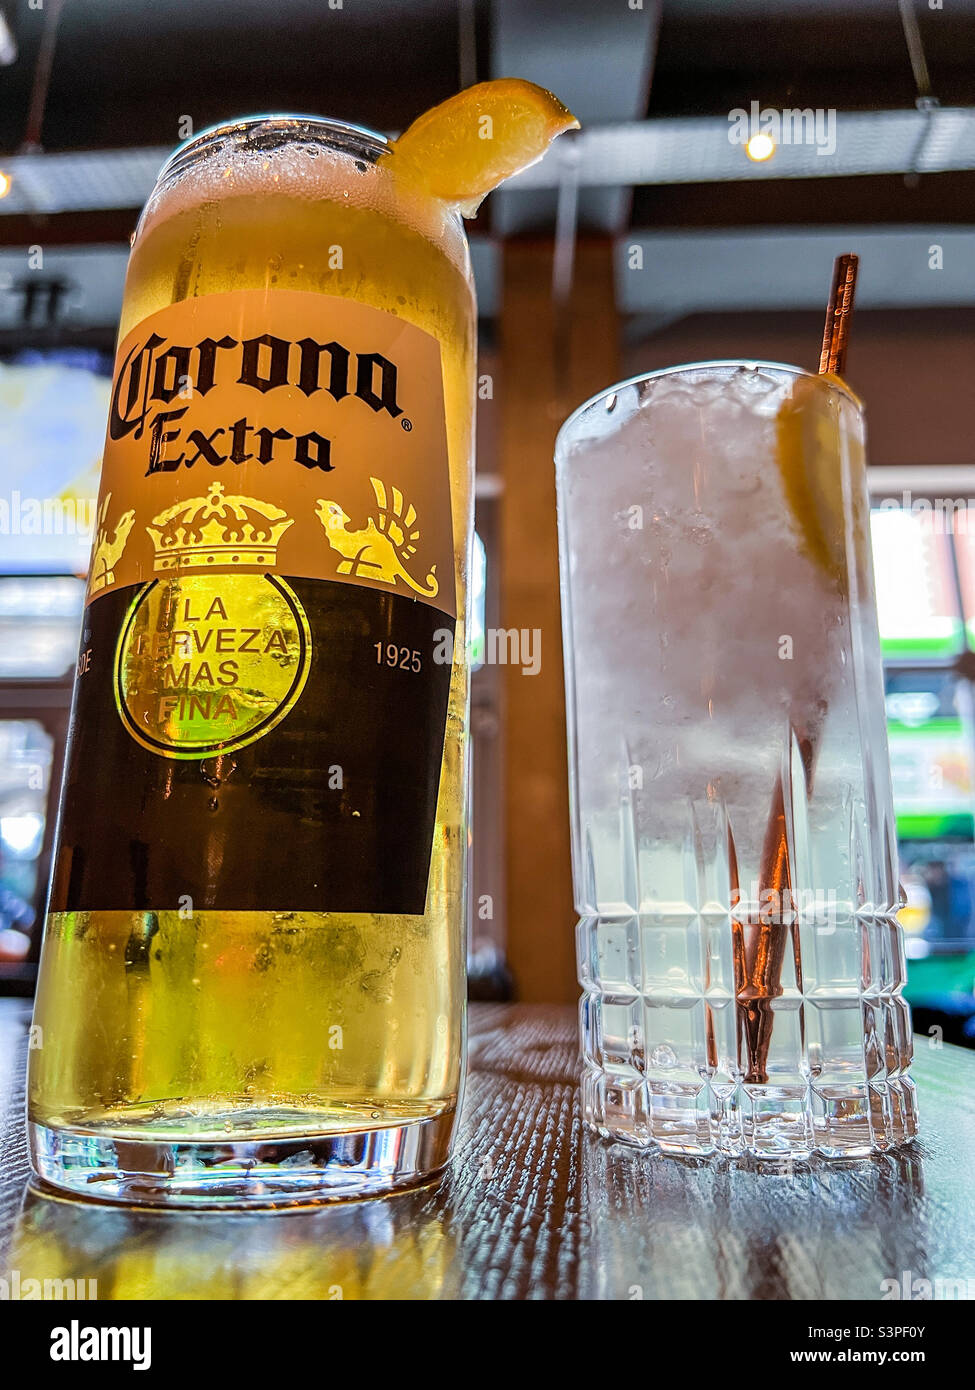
(252, 980)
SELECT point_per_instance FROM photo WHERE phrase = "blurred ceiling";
(126, 71)
(653, 82)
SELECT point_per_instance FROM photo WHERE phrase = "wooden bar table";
(533, 1206)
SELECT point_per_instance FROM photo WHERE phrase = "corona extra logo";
(218, 530)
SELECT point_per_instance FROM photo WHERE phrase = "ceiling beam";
(603, 157)
(780, 268)
(559, 45)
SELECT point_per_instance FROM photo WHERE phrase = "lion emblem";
(381, 549)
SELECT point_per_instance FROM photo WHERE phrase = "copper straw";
(836, 333)
(760, 948)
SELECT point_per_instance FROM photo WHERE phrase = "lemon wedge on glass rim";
(460, 150)
(811, 468)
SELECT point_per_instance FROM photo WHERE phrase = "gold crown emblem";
(218, 530)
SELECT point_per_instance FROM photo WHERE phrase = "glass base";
(297, 1171)
(767, 1123)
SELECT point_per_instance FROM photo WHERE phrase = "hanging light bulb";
(760, 147)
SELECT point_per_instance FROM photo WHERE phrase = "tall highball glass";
(734, 849)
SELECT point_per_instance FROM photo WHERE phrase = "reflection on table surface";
(803, 1230)
(396, 1248)
(534, 1207)
(859, 1219)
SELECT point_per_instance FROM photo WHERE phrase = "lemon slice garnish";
(460, 150)
(810, 466)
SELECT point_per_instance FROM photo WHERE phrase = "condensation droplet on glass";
(663, 1057)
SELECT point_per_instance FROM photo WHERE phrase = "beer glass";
(734, 848)
(252, 980)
